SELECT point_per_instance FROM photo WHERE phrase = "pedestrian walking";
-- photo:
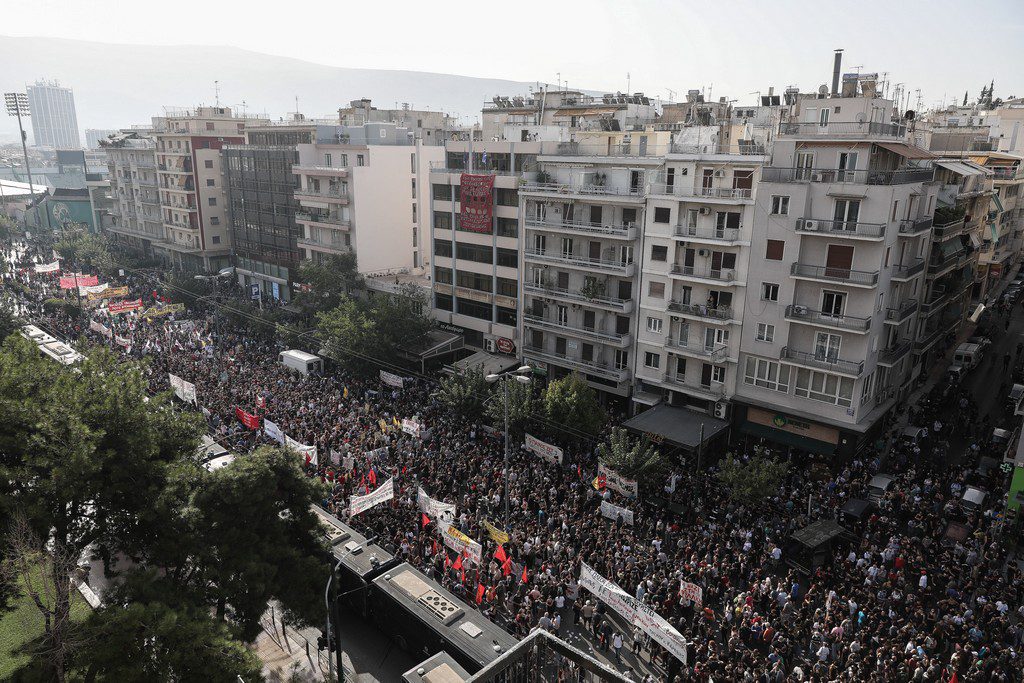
(617, 646)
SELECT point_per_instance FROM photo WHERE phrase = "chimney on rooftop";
(835, 72)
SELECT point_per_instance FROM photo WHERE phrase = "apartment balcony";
(907, 271)
(846, 276)
(842, 129)
(441, 167)
(185, 169)
(927, 339)
(709, 392)
(940, 296)
(854, 230)
(718, 353)
(823, 361)
(593, 334)
(324, 195)
(718, 276)
(146, 181)
(742, 149)
(334, 171)
(574, 296)
(1004, 173)
(809, 316)
(708, 235)
(626, 232)
(332, 222)
(606, 266)
(598, 368)
(633, 194)
(900, 314)
(893, 354)
(912, 227)
(938, 268)
(474, 295)
(779, 174)
(718, 314)
(710, 194)
(179, 188)
(948, 230)
(332, 246)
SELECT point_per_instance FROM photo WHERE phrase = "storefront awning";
(959, 168)
(488, 363)
(906, 151)
(678, 426)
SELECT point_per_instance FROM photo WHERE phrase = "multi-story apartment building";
(1002, 242)
(431, 127)
(193, 200)
(697, 236)
(362, 189)
(838, 258)
(54, 120)
(136, 221)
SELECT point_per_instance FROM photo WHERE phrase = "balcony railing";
(808, 315)
(1003, 173)
(577, 330)
(701, 311)
(313, 169)
(837, 228)
(623, 305)
(866, 278)
(900, 313)
(441, 167)
(778, 174)
(940, 295)
(321, 218)
(716, 353)
(915, 226)
(893, 354)
(723, 275)
(706, 233)
(338, 245)
(844, 129)
(936, 267)
(616, 266)
(326, 193)
(951, 229)
(688, 190)
(596, 367)
(588, 189)
(753, 148)
(905, 271)
(626, 231)
(823, 360)
(926, 339)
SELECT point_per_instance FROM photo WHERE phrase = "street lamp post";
(17, 105)
(517, 375)
(327, 604)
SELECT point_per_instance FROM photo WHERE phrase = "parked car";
(973, 498)
(879, 484)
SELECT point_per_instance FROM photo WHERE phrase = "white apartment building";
(54, 120)
(1002, 241)
(697, 234)
(135, 216)
(193, 200)
(842, 221)
(365, 192)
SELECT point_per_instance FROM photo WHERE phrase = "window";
(769, 291)
(691, 217)
(895, 209)
(442, 248)
(680, 369)
(327, 159)
(865, 388)
(726, 220)
(826, 345)
(767, 374)
(847, 213)
(209, 125)
(474, 252)
(507, 287)
(775, 250)
(441, 192)
(214, 220)
(442, 220)
(443, 275)
(212, 201)
(717, 374)
(208, 163)
(621, 359)
(216, 239)
(209, 182)
(361, 161)
(654, 325)
(504, 196)
(780, 205)
(662, 214)
(765, 332)
(562, 314)
(821, 386)
(659, 252)
(652, 360)
(656, 290)
(832, 303)
(476, 281)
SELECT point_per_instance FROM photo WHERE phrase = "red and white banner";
(381, 494)
(302, 449)
(462, 544)
(411, 427)
(248, 419)
(618, 483)
(124, 306)
(78, 280)
(692, 592)
(550, 453)
(48, 267)
(477, 197)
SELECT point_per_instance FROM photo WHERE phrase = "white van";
(306, 363)
(967, 356)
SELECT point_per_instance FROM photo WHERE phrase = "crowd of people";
(904, 601)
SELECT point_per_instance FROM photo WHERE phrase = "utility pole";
(17, 105)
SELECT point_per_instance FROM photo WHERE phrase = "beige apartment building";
(136, 220)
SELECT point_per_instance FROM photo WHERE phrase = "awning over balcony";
(960, 168)
(906, 151)
(678, 426)
(593, 111)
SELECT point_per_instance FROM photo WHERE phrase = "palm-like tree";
(633, 458)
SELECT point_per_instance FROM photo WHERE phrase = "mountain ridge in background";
(117, 86)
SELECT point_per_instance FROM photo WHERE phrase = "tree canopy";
(572, 403)
(464, 393)
(633, 458)
(752, 481)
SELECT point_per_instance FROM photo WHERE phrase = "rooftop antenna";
(710, 88)
(627, 82)
(858, 68)
(558, 78)
(671, 94)
(918, 92)
(216, 92)
(885, 84)
(296, 104)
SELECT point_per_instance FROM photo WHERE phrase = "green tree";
(328, 283)
(83, 453)
(633, 458)
(572, 403)
(521, 406)
(9, 324)
(463, 394)
(149, 631)
(400, 319)
(752, 481)
(350, 334)
(80, 248)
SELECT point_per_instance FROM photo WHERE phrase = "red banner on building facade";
(248, 419)
(477, 197)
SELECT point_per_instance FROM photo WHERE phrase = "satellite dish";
(909, 116)
(861, 117)
(823, 89)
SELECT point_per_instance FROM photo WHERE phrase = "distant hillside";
(121, 85)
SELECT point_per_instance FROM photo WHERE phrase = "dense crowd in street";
(903, 602)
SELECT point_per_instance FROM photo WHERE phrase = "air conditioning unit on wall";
(705, 211)
(489, 346)
(722, 410)
(810, 225)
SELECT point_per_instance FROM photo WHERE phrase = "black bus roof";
(457, 623)
(349, 546)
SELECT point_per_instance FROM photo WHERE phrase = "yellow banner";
(496, 534)
(157, 311)
(109, 293)
(383, 425)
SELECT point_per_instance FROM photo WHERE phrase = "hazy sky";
(940, 46)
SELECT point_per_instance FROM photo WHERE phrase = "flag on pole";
(345, 393)
(480, 590)
(526, 577)
(458, 563)
(500, 555)
(426, 521)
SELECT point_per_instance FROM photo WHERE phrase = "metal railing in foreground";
(543, 657)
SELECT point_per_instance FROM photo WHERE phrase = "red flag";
(462, 576)
(526, 576)
(248, 419)
(954, 678)
(500, 555)
(506, 567)
(458, 563)
(480, 590)
(426, 520)
(434, 547)
(447, 561)
(373, 477)
(579, 472)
